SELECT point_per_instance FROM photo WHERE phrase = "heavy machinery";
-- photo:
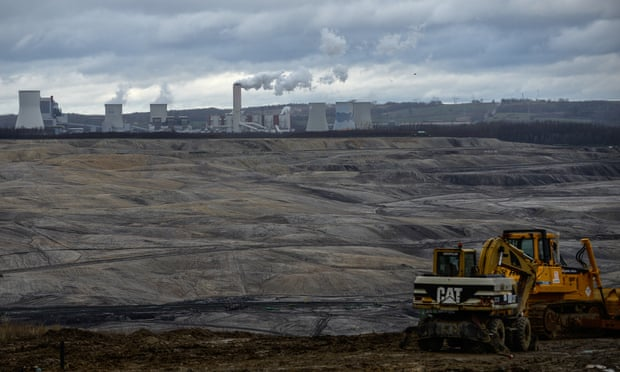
(520, 289)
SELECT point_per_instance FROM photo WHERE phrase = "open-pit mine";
(318, 237)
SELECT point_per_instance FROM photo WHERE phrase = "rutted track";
(215, 311)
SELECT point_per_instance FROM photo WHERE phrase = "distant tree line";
(548, 133)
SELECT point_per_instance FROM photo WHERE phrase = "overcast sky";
(188, 53)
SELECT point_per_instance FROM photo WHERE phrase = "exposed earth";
(315, 242)
(201, 350)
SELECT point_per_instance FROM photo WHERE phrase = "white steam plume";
(165, 94)
(280, 82)
(288, 81)
(120, 95)
(262, 80)
(297, 79)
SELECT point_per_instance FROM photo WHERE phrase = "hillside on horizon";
(397, 113)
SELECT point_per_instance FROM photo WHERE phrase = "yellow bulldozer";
(518, 290)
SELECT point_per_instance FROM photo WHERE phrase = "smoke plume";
(291, 81)
(280, 82)
(165, 95)
(288, 81)
(120, 95)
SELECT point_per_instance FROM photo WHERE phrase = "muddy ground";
(202, 350)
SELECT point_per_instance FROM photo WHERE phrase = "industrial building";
(40, 113)
(52, 114)
(36, 112)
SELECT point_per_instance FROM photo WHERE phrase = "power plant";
(40, 113)
(29, 116)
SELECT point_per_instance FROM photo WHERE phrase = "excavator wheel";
(431, 344)
(522, 335)
(496, 327)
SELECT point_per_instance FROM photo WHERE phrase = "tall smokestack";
(317, 119)
(29, 116)
(113, 120)
(236, 107)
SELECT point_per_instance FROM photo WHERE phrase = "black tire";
(455, 342)
(431, 344)
(496, 329)
(522, 336)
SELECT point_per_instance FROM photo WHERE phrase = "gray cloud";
(393, 43)
(332, 44)
(337, 73)
(79, 50)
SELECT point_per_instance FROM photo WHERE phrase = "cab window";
(526, 245)
(448, 264)
(470, 264)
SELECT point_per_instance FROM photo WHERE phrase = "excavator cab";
(455, 262)
(539, 245)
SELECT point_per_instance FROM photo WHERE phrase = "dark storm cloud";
(191, 43)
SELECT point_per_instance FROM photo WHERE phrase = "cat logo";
(449, 295)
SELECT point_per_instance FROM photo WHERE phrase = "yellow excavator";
(520, 289)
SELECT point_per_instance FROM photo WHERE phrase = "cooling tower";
(361, 115)
(236, 107)
(284, 119)
(159, 112)
(29, 116)
(113, 121)
(344, 116)
(317, 120)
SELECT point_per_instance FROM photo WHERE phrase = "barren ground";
(201, 350)
(289, 237)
